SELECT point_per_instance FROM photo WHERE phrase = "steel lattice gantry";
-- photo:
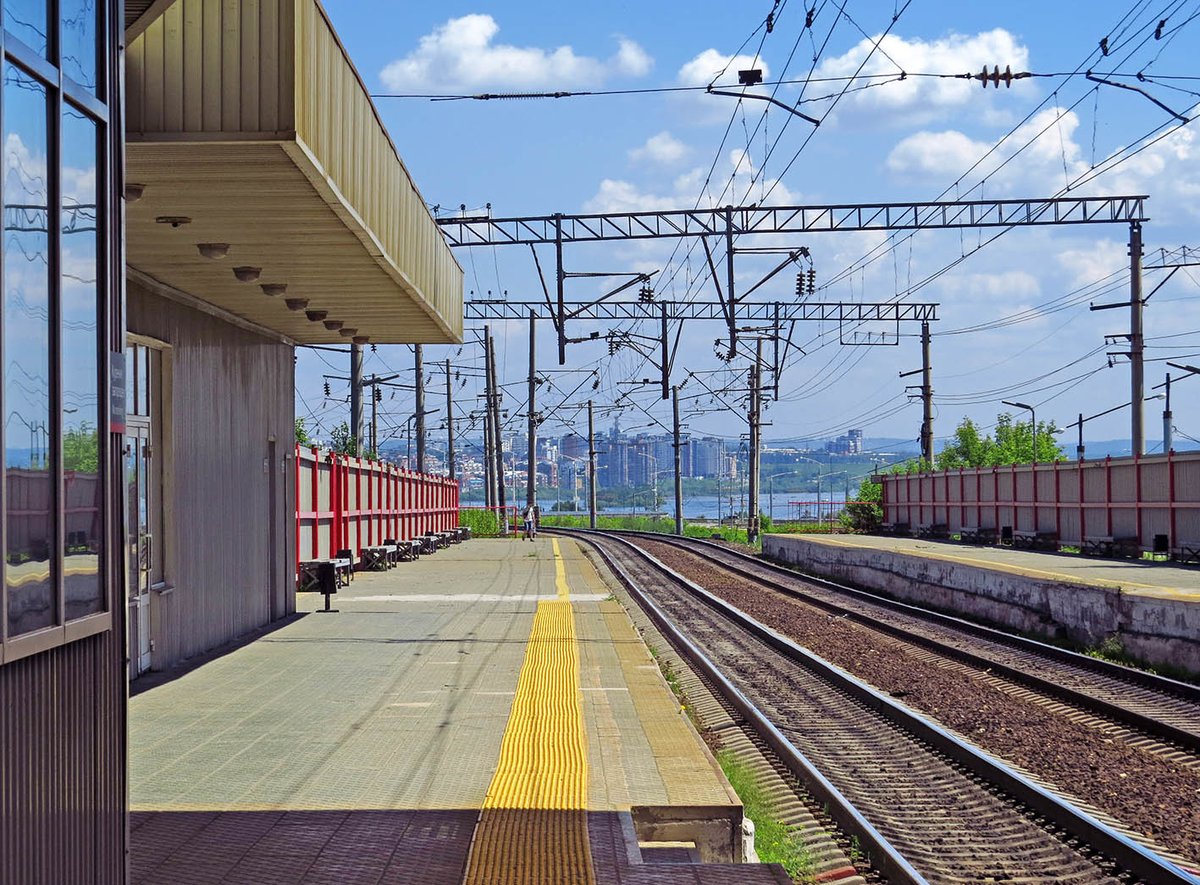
(748, 312)
(742, 220)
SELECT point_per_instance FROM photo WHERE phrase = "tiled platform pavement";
(360, 746)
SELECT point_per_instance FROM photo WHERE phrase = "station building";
(164, 252)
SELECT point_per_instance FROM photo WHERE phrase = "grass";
(645, 524)
(774, 841)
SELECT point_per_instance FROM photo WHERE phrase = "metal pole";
(926, 397)
(1136, 345)
(1168, 430)
(1033, 421)
(374, 423)
(356, 394)
(531, 465)
(678, 459)
(591, 467)
(666, 356)
(450, 466)
(1079, 448)
(729, 279)
(497, 442)
(562, 307)
(752, 520)
(489, 458)
(419, 366)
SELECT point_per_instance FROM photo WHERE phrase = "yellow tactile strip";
(533, 827)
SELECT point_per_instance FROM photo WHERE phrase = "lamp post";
(1082, 420)
(1032, 421)
(771, 491)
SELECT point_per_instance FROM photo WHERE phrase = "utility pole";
(497, 444)
(1136, 343)
(374, 420)
(531, 463)
(678, 459)
(926, 397)
(449, 424)
(591, 467)
(1079, 447)
(1168, 429)
(752, 521)
(489, 460)
(356, 394)
(419, 366)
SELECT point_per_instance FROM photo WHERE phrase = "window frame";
(62, 90)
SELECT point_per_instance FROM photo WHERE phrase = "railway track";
(1152, 712)
(925, 805)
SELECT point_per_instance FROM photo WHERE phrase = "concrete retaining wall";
(1155, 628)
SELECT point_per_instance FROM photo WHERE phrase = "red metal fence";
(1114, 497)
(345, 503)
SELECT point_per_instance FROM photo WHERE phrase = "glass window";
(30, 504)
(29, 22)
(80, 311)
(78, 41)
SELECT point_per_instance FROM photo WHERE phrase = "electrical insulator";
(812, 280)
(374, 349)
(378, 395)
(327, 388)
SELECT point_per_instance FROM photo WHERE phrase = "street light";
(771, 490)
(1082, 420)
(1032, 421)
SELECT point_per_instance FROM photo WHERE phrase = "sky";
(1013, 318)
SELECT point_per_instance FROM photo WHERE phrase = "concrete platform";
(1151, 608)
(462, 697)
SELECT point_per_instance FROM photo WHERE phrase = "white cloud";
(706, 66)
(1049, 156)
(920, 100)
(461, 54)
(662, 149)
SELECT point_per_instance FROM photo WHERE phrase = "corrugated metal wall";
(1122, 498)
(230, 391)
(62, 768)
(275, 70)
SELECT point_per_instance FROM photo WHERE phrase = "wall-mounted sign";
(116, 393)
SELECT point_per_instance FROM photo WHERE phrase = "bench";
(895, 528)
(426, 544)
(464, 532)
(932, 530)
(314, 573)
(375, 558)
(974, 534)
(1108, 545)
(1035, 540)
(1187, 553)
(441, 539)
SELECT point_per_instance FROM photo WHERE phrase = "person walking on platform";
(530, 517)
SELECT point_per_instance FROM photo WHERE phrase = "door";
(139, 469)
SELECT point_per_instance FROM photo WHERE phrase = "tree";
(81, 449)
(302, 437)
(1012, 444)
(342, 440)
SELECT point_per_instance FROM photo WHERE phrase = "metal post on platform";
(497, 444)
(591, 467)
(1079, 447)
(926, 398)
(752, 516)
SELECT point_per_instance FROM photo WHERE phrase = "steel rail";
(1147, 724)
(1131, 856)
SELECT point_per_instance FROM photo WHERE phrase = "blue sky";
(897, 141)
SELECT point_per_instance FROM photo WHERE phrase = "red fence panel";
(350, 503)
(1140, 498)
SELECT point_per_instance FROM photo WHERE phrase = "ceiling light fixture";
(315, 316)
(213, 250)
(347, 333)
(247, 274)
(133, 192)
(274, 289)
(296, 303)
(361, 339)
(333, 325)
(173, 220)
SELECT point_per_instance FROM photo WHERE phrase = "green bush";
(482, 523)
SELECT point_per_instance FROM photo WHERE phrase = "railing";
(1135, 498)
(345, 503)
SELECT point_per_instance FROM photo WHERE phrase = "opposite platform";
(491, 692)
(1152, 608)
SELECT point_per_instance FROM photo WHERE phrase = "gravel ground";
(1146, 791)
